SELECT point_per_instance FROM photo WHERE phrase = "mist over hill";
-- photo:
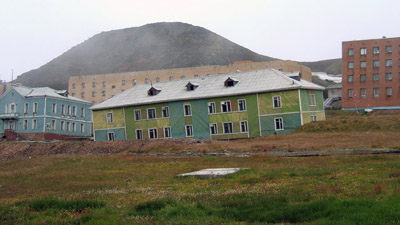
(149, 47)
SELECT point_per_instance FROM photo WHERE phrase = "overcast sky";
(33, 32)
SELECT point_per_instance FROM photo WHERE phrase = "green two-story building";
(225, 106)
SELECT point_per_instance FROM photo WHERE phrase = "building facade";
(43, 114)
(98, 88)
(226, 106)
(371, 75)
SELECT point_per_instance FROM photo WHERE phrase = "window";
(165, 111)
(83, 94)
(376, 92)
(363, 77)
(350, 65)
(153, 133)
(350, 51)
(139, 134)
(388, 63)
(171, 78)
(242, 105)
(69, 110)
(73, 94)
(103, 93)
(389, 76)
(277, 101)
(211, 107)
(244, 127)
(376, 63)
(363, 51)
(74, 110)
(25, 124)
(93, 94)
(134, 82)
(26, 107)
(182, 77)
(157, 80)
(363, 64)
(213, 128)
(350, 93)
(73, 86)
(94, 84)
(83, 85)
(388, 49)
(376, 50)
(113, 86)
(350, 79)
(34, 124)
(53, 125)
(196, 76)
(228, 128)
(363, 92)
(312, 99)
(62, 125)
(54, 108)
(167, 132)
(188, 110)
(123, 82)
(82, 128)
(189, 130)
(278, 123)
(109, 118)
(73, 127)
(35, 107)
(226, 106)
(138, 114)
(376, 76)
(313, 117)
(82, 112)
(68, 126)
(104, 84)
(151, 113)
(146, 80)
(111, 136)
(388, 91)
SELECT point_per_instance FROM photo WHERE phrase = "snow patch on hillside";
(330, 77)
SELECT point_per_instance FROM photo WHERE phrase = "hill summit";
(149, 47)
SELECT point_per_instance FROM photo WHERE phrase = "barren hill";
(152, 46)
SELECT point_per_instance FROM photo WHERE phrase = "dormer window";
(191, 86)
(230, 82)
(153, 91)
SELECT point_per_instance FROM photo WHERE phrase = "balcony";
(8, 116)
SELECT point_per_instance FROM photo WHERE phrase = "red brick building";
(371, 75)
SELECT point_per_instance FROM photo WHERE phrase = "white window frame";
(73, 127)
(53, 125)
(279, 101)
(62, 109)
(137, 117)
(350, 93)
(191, 130)
(62, 125)
(215, 126)
(68, 126)
(244, 104)
(112, 135)
(313, 117)
(35, 107)
(82, 128)
(361, 92)
(223, 127)
(376, 94)
(26, 108)
(230, 106)
(246, 126)
(363, 64)
(34, 124)
(167, 130)
(213, 108)
(190, 109)
(94, 84)
(388, 76)
(389, 91)
(165, 109)
(54, 108)
(281, 123)
(313, 101)
(82, 112)
(148, 113)
(141, 134)
(109, 118)
(363, 51)
(350, 65)
(25, 125)
(73, 110)
(389, 63)
(68, 110)
(156, 133)
(104, 83)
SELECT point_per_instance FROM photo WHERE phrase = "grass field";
(144, 190)
(126, 189)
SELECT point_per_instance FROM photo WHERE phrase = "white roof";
(258, 81)
(44, 92)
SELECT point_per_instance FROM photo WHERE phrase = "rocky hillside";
(152, 46)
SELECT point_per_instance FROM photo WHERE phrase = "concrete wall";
(114, 82)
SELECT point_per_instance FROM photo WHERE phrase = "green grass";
(145, 190)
